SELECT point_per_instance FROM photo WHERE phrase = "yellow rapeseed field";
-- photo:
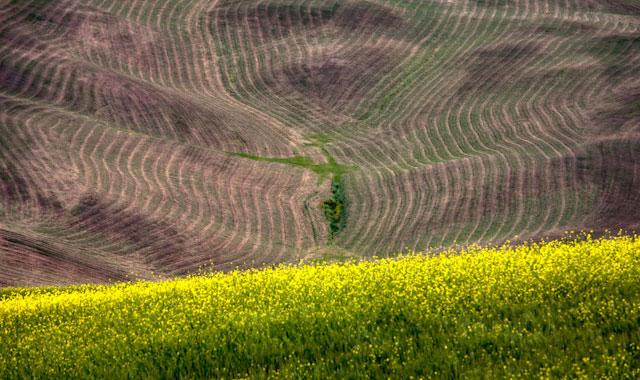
(559, 309)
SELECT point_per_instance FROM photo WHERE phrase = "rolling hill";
(555, 310)
(157, 138)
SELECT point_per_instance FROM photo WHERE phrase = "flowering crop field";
(556, 309)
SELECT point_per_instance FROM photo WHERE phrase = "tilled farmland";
(149, 139)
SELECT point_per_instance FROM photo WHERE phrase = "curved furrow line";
(91, 163)
(260, 195)
(153, 63)
(258, 198)
(146, 163)
(174, 179)
(400, 76)
(197, 49)
(132, 187)
(236, 243)
(379, 179)
(548, 122)
(77, 156)
(423, 211)
(124, 220)
(16, 182)
(181, 62)
(197, 215)
(231, 91)
(470, 170)
(213, 217)
(505, 148)
(485, 154)
(350, 237)
(220, 199)
(194, 44)
(272, 196)
(186, 176)
(463, 135)
(396, 45)
(417, 228)
(392, 195)
(411, 211)
(561, 183)
(162, 176)
(183, 54)
(230, 82)
(210, 73)
(475, 174)
(101, 152)
(113, 189)
(363, 207)
(200, 240)
(343, 53)
(439, 213)
(42, 169)
(282, 241)
(134, 164)
(594, 149)
(508, 151)
(469, 31)
(159, 23)
(252, 90)
(386, 40)
(238, 210)
(289, 202)
(542, 185)
(533, 119)
(398, 203)
(252, 80)
(455, 194)
(303, 232)
(528, 176)
(485, 204)
(69, 94)
(523, 177)
(289, 136)
(574, 168)
(523, 161)
(375, 67)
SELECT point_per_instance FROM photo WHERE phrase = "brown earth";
(460, 122)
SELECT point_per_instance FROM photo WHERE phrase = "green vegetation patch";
(553, 310)
(335, 208)
(332, 168)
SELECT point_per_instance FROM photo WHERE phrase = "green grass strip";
(332, 168)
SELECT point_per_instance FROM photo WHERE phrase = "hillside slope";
(155, 138)
(567, 309)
